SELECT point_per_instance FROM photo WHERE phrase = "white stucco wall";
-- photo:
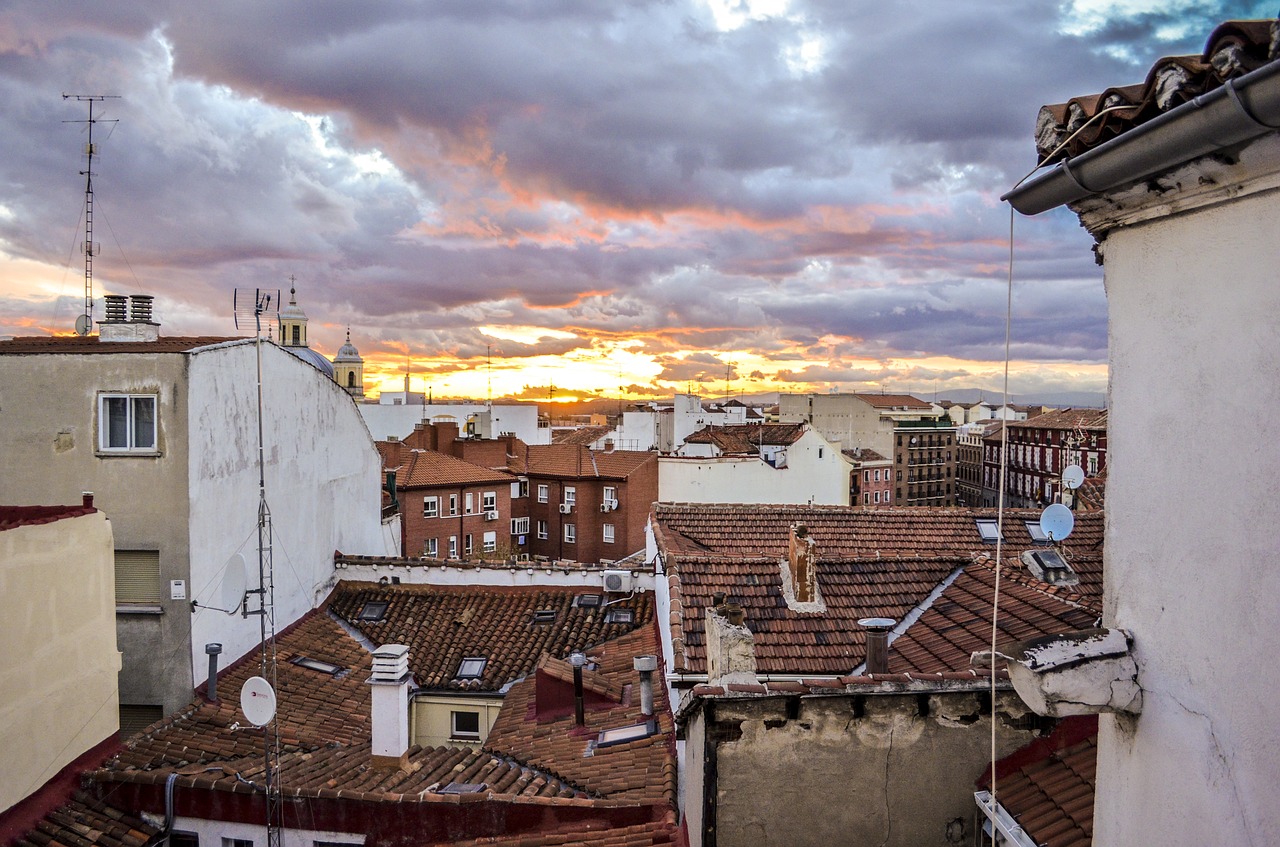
(323, 478)
(806, 478)
(387, 421)
(1191, 517)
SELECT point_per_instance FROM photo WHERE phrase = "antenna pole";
(488, 357)
(87, 173)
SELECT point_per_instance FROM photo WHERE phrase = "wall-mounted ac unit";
(566, 508)
(491, 516)
(617, 582)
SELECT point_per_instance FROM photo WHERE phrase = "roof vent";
(1048, 564)
(390, 663)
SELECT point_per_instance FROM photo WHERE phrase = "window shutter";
(134, 719)
(138, 576)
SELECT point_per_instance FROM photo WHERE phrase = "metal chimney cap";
(213, 648)
(877, 624)
(577, 659)
(645, 663)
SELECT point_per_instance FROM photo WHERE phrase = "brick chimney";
(800, 572)
(390, 708)
(731, 654)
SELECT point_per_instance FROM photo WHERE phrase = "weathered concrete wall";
(48, 454)
(58, 673)
(1191, 513)
(808, 477)
(323, 478)
(878, 769)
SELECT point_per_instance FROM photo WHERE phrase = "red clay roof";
(1087, 419)
(573, 461)
(16, 516)
(894, 401)
(429, 468)
(583, 435)
(90, 344)
(748, 438)
(1233, 49)
(444, 624)
(638, 835)
(85, 821)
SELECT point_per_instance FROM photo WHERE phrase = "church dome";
(311, 357)
(292, 311)
(348, 352)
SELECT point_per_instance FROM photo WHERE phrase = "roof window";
(587, 601)
(471, 667)
(1036, 532)
(988, 529)
(373, 611)
(463, 788)
(318, 665)
(1050, 566)
(544, 616)
(617, 615)
(623, 734)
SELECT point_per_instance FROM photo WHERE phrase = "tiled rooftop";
(573, 461)
(648, 834)
(15, 516)
(748, 438)
(583, 435)
(1233, 49)
(443, 624)
(86, 822)
(427, 468)
(90, 344)
(864, 454)
(895, 401)
(1087, 419)
(926, 568)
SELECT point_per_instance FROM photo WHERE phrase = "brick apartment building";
(924, 462)
(1039, 448)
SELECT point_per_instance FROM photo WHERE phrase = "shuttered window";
(138, 577)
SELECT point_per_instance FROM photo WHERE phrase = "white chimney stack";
(390, 709)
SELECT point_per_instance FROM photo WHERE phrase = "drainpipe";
(1244, 108)
(212, 649)
(578, 660)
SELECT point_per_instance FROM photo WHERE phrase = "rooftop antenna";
(728, 375)
(84, 321)
(488, 358)
(254, 304)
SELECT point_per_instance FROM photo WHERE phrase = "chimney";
(877, 643)
(212, 649)
(390, 710)
(86, 499)
(608, 445)
(731, 655)
(646, 665)
(140, 308)
(446, 434)
(131, 322)
(117, 309)
(800, 580)
(578, 660)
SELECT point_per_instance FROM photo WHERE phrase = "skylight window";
(544, 616)
(373, 611)
(1037, 534)
(463, 788)
(623, 734)
(317, 665)
(587, 601)
(989, 530)
(472, 667)
(620, 616)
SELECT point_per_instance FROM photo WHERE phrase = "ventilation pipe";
(86, 499)
(390, 706)
(578, 660)
(877, 643)
(212, 649)
(646, 665)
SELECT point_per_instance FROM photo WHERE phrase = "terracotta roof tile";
(1086, 419)
(85, 822)
(748, 438)
(648, 834)
(75, 344)
(427, 468)
(893, 401)
(573, 461)
(16, 516)
(583, 435)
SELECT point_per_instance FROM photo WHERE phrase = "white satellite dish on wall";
(258, 701)
(1073, 476)
(1057, 521)
(231, 592)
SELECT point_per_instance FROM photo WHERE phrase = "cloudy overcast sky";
(596, 193)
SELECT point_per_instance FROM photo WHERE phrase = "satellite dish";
(1073, 476)
(1057, 521)
(258, 701)
(83, 324)
(233, 585)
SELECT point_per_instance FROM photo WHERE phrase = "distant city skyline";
(617, 199)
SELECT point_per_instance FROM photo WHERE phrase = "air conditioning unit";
(566, 508)
(491, 516)
(617, 582)
(608, 505)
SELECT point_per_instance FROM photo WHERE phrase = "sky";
(576, 198)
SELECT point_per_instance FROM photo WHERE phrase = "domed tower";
(348, 368)
(293, 323)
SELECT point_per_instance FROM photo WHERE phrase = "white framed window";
(466, 544)
(430, 507)
(570, 533)
(866, 498)
(866, 475)
(468, 503)
(608, 533)
(877, 497)
(453, 504)
(127, 423)
(431, 548)
(453, 546)
(570, 495)
(465, 725)
(542, 530)
(489, 502)
(489, 542)
(610, 497)
(543, 493)
(519, 526)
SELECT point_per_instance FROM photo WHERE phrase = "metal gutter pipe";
(1244, 108)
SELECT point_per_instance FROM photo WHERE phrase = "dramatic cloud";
(604, 197)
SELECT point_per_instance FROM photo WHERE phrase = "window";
(610, 497)
(519, 526)
(317, 665)
(866, 498)
(877, 476)
(453, 546)
(1093, 465)
(138, 577)
(237, 842)
(877, 497)
(524, 488)
(570, 533)
(544, 616)
(542, 530)
(184, 839)
(490, 501)
(127, 423)
(453, 504)
(819, 452)
(469, 503)
(465, 725)
(431, 548)
(608, 533)
(1036, 533)
(616, 615)
(570, 495)
(542, 493)
(623, 734)
(866, 476)
(431, 507)
(373, 611)
(587, 601)
(989, 530)
(466, 544)
(472, 667)
(489, 542)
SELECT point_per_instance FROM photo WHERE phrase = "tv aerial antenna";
(84, 321)
(250, 306)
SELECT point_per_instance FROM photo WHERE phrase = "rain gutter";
(1241, 110)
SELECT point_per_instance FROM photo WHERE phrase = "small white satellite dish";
(233, 585)
(258, 701)
(1073, 476)
(83, 325)
(1057, 521)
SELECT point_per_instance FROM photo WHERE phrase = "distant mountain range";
(1058, 399)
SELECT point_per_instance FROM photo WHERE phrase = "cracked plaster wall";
(1191, 518)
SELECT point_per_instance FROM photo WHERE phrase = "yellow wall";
(58, 669)
(432, 721)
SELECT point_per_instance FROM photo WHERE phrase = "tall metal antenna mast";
(84, 322)
(488, 357)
